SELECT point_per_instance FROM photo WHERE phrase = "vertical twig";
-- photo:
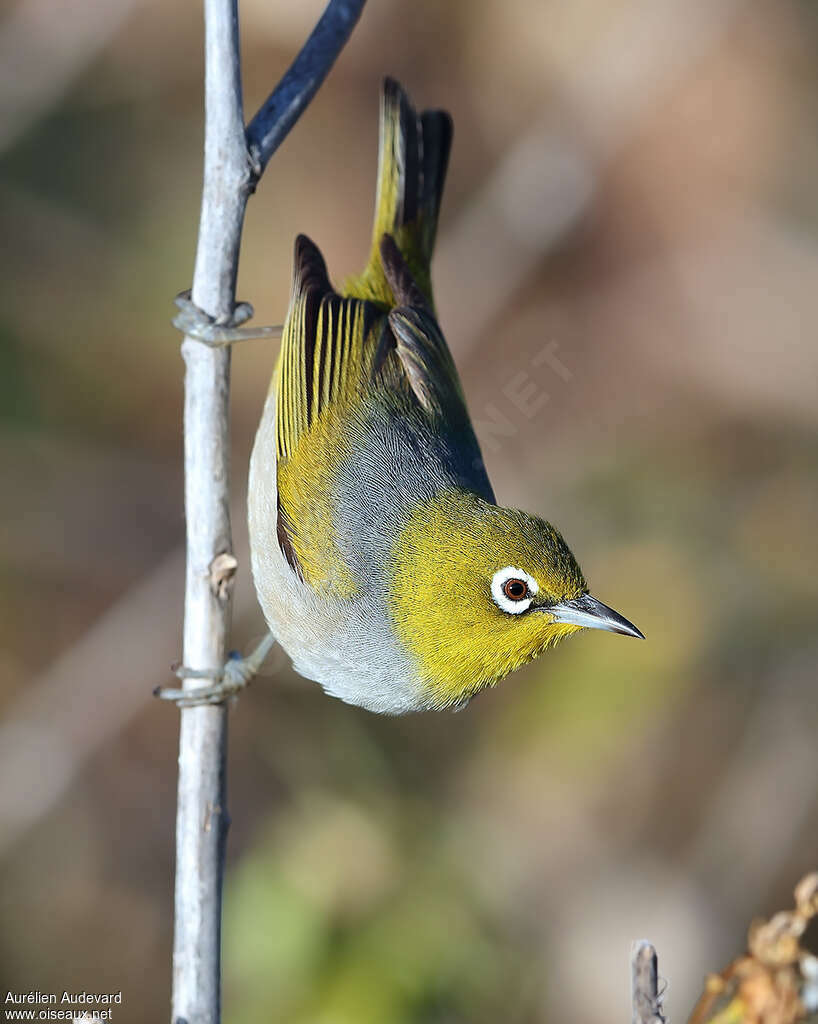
(646, 1000)
(201, 817)
(230, 173)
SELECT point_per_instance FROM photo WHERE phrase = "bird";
(384, 565)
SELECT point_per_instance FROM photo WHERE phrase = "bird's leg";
(226, 682)
(195, 323)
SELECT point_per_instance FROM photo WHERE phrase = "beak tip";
(629, 630)
(588, 612)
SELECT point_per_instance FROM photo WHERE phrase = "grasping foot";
(227, 682)
(195, 323)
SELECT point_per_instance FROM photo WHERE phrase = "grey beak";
(592, 614)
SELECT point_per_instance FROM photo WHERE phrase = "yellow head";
(477, 590)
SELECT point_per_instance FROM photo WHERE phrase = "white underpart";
(499, 580)
(346, 645)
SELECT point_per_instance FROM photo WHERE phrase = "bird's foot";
(193, 322)
(226, 682)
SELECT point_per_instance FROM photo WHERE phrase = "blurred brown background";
(628, 277)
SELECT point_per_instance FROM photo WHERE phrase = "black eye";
(515, 590)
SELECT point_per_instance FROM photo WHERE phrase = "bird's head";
(477, 590)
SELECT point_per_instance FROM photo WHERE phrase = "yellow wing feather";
(324, 350)
(330, 347)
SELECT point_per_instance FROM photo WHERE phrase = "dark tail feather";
(437, 132)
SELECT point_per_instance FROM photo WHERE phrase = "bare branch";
(201, 816)
(202, 819)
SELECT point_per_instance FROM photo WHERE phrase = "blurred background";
(627, 274)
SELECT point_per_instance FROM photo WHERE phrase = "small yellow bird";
(383, 564)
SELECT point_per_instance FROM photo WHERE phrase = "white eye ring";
(499, 580)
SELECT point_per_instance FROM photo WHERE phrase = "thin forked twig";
(230, 174)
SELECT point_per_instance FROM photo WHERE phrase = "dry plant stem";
(645, 985)
(202, 820)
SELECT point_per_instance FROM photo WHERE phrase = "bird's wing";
(421, 359)
(324, 348)
(327, 346)
(339, 358)
(377, 342)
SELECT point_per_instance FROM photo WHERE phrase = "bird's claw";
(193, 322)
(227, 682)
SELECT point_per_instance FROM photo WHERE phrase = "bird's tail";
(414, 155)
